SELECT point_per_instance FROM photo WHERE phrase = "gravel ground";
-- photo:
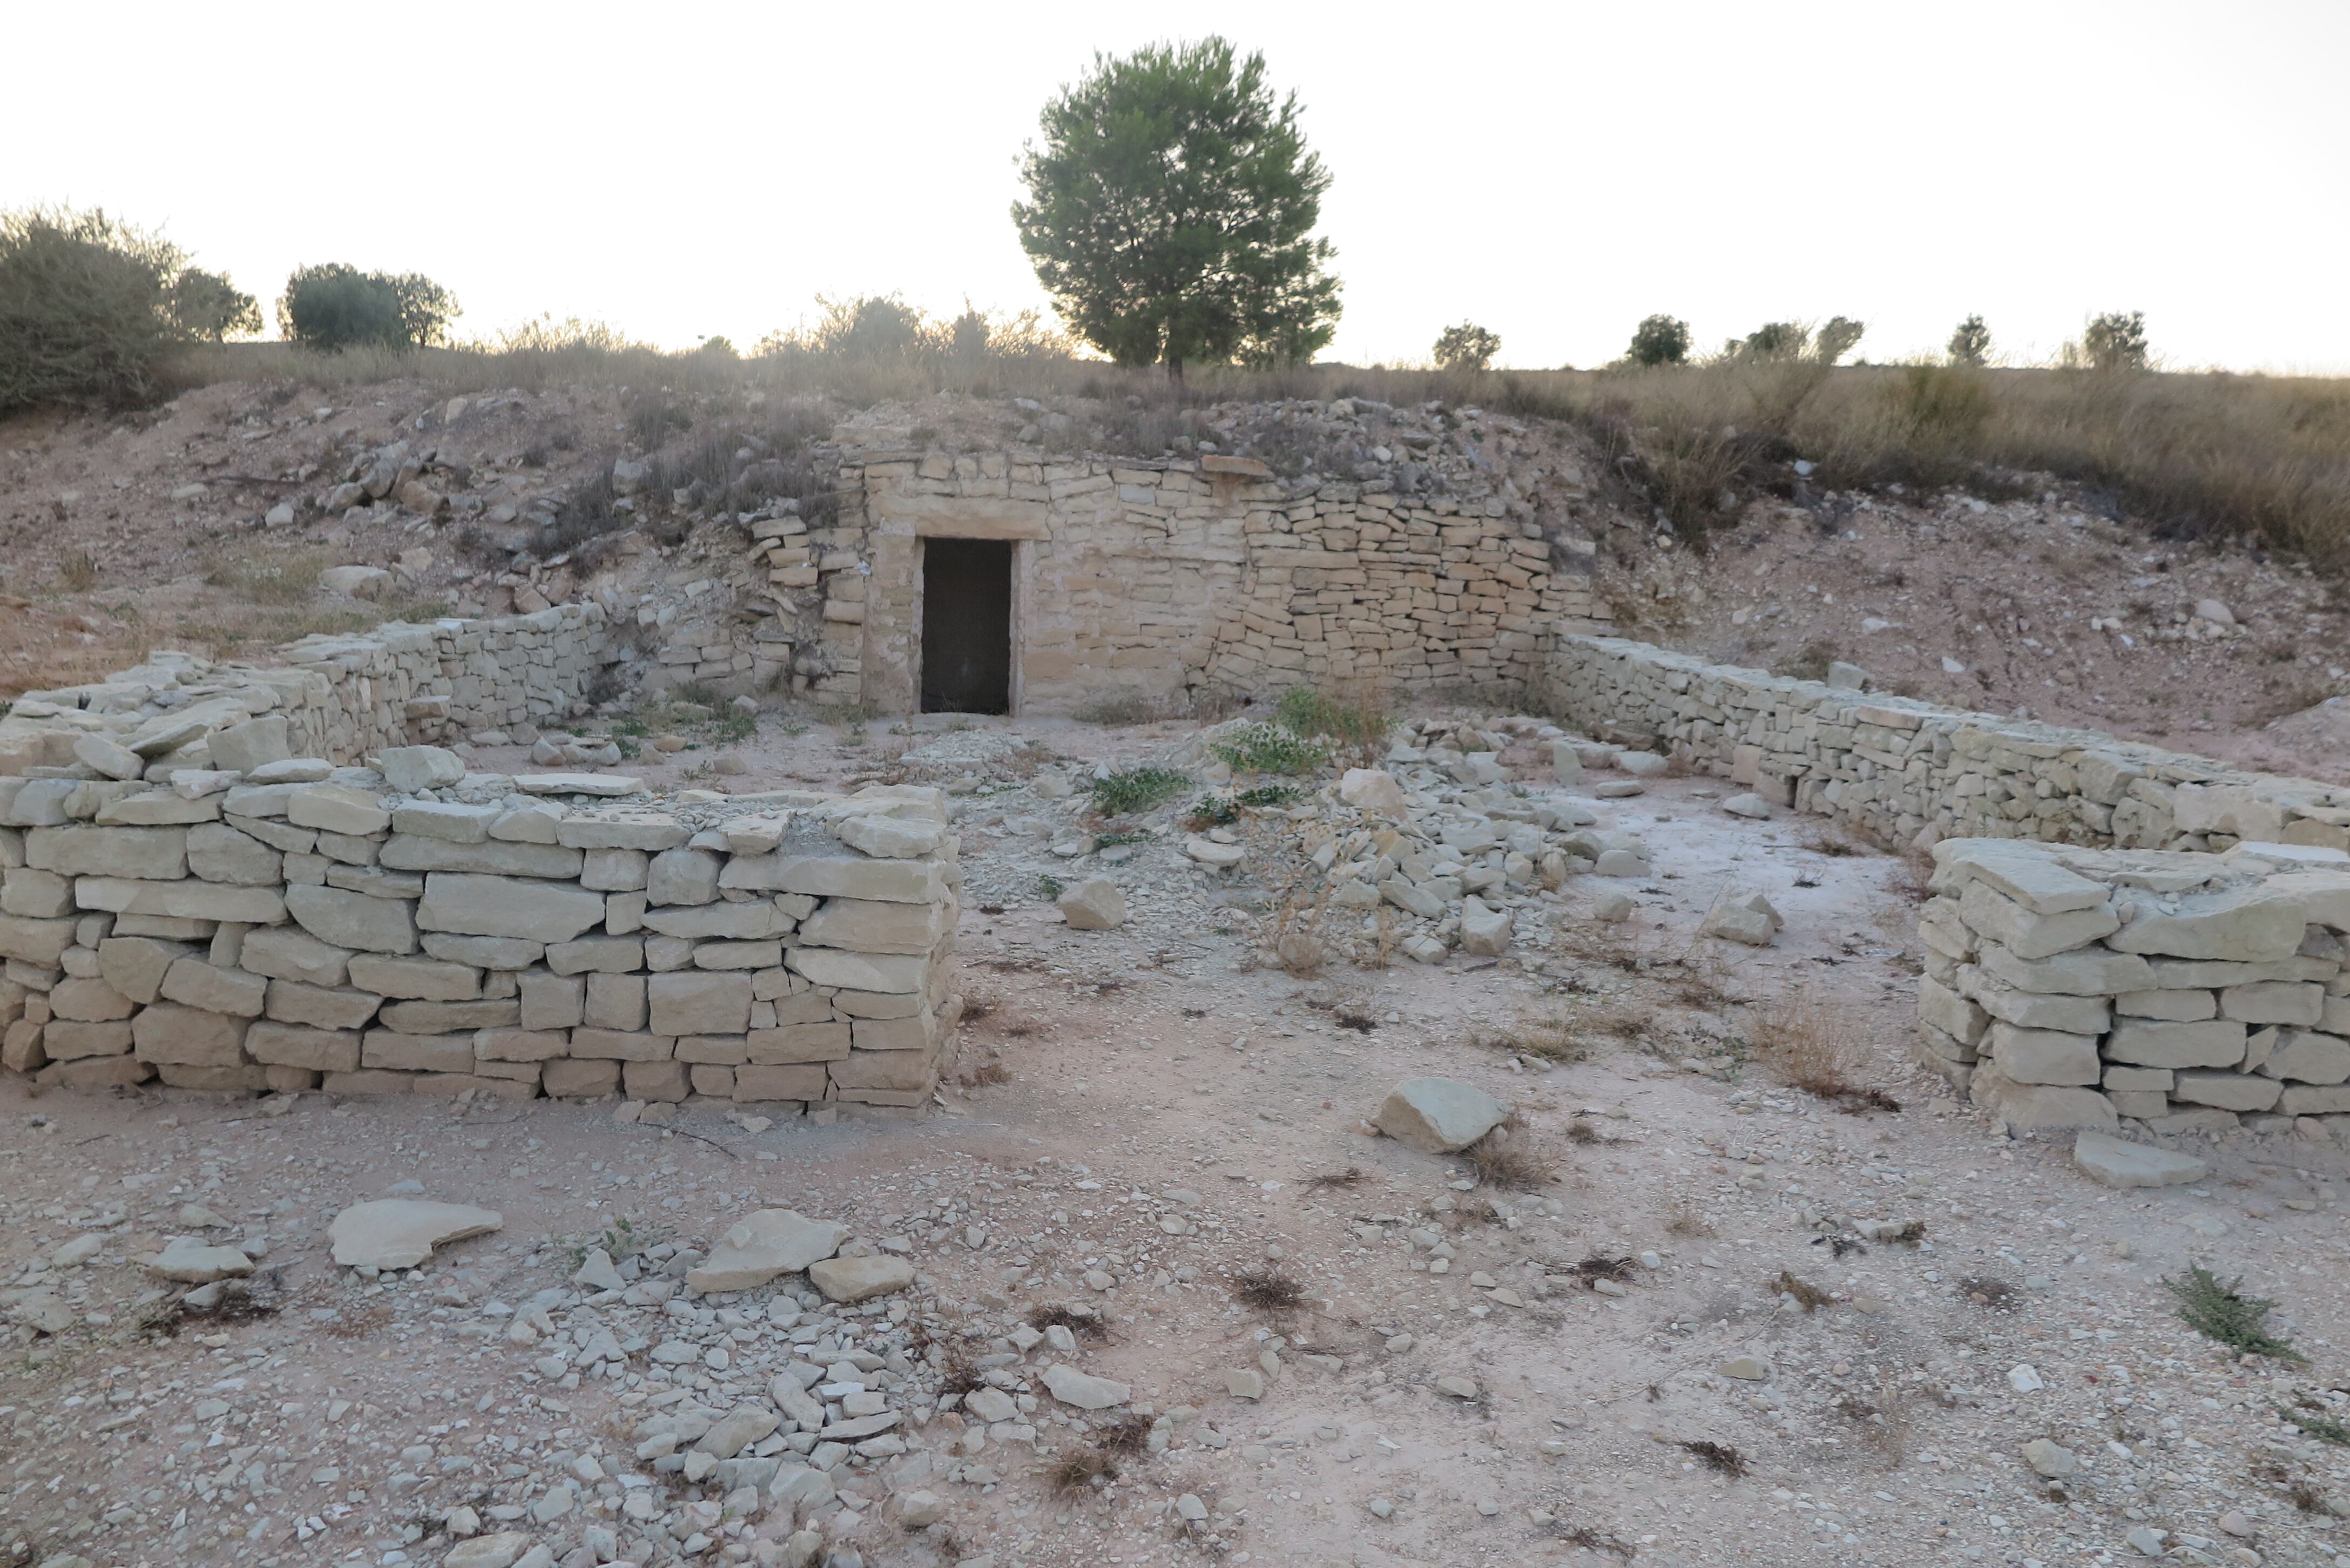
(1149, 1116)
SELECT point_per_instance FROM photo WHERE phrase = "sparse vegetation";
(1808, 1297)
(1268, 1290)
(1136, 789)
(87, 314)
(1355, 723)
(1467, 347)
(1506, 1158)
(332, 307)
(2220, 1313)
(1659, 340)
(1260, 747)
(1810, 1045)
(1718, 1458)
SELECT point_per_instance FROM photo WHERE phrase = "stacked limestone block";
(1906, 773)
(2074, 987)
(305, 926)
(1155, 579)
(338, 696)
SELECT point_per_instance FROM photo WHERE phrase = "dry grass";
(1718, 1458)
(1505, 1157)
(1809, 1296)
(1077, 1320)
(1987, 1291)
(1268, 1290)
(1548, 1034)
(1347, 1178)
(1125, 1435)
(1685, 1218)
(959, 1372)
(1811, 1044)
(1079, 1469)
(1599, 1266)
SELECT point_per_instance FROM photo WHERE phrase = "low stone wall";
(1906, 772)
(417, 929)
(2070, 987)
(338, 696)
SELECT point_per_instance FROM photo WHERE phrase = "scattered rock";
(1458, 1387)
(1246, 1383)
(1741, 915)
(1749, 804)
(1094, 905)
(2049, 1460)
(1372, 789)
(192, 1262)
(400, 1232)
(1084, 1390)
(500, 1551)
(1745, 1368)
(2117, 1162)
(356, 582)
(850, 1280)
(2024, 1379)
(761, 1246)
(1439, 1115)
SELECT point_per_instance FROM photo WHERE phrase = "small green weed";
(1269, 749)
(1136, 789)
(2216, 1312)
(1049, 887)
(1112, 840)
(1359, 728)
(729, 726)
(2325, 1429)
(1267, 795)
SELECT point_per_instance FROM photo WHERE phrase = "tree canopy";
(334, 306)
(1467, 347)
(91, 307)
(1659, 340)
(1170, 209)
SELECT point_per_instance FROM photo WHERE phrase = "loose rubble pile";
(413, 926)
(2075, 987)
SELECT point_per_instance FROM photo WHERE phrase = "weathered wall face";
(2074, 987)
(316, 927)
(1157, 580)
(1907, 772)
(340, 697)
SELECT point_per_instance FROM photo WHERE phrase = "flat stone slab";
(193, 1262)
(850, 1279)
(400, 1232)
(761, 1246)
(1084, 1390)
(613, 784)
(1439, 1115)
(2117, 1162)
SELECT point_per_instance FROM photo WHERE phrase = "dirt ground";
(1144, 1117)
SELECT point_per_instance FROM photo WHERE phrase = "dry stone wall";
(1157, 580)
(413, 929)
(333, 697)
(2069, 987)
(1907, 772)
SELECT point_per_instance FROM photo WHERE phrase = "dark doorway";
(966, 626)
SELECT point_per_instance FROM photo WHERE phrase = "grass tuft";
(1257, 748)
(1718, 1458)
(2218, 1312)
(1807, 1294)
(1136, 789)
(1505, 1159)
(1268, 1290)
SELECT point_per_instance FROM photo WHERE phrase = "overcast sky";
(1555, 172)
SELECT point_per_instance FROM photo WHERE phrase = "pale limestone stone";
(316, 1050)
(181, 900)
(418, 979)
(412, 770)
(892, 838)
(337, 809)
(1439, 1115)
(147, 854)
(762, 1245)
(552, 1001)
(112, 760)
(218, 853)
(2307, 1057)
(1375, 790)
(2228, 1091)
(2274, 1001)
(2244, 925)
(2034, 1009)
(197, 984)
(2085, 972)
(190, 1261)
(187, 1037)
(2174, 1006)
(2219, 1043)
(446, 820)
(735, 922)
(256, 742)
(695, 1002)
(615, 1002)
(840, 877)
(608, 955)
(1485, 929)
(356, 920)
(684, 877)
(1741, 915)
(605, 785)
(738, 955)
(159, 808)
(483, 952)
(1084, 1391)
(2044, 1056)
(318, 1007)
(1954, 1014)
(135, 966)
(46, 896)
(395, 1049)
(860, 972)
(88, 1000)
(648, 832)
(613, 870)
(401, 1232)
(472, 905)
(2029, 935)
(284, 952)
(1093, 904)
(492, 858)
(850, 1280)
(2117, 1163)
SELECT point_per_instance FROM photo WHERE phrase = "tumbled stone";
(1439, 1115)
(760, 1246)
(851, 1280)
(400, 1232)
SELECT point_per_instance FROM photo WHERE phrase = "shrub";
(2222, 1313)
(1467, 347)
(1359, 727)
(332, 307)
(1839, 337)
(1774, 340)
(1268, 749)
(1971, 343)
(1136, 789)
(206, 304)
(1940, 406)
(2116, 341)
(1659, 340)
(84, 314)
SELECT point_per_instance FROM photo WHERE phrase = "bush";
(333, 306)
(1268, 749)
(1359, 727)
(85, 309)
(1136, 789)
(1940, 406)
(1971, 343)
(1467, 347)
(2116, 341)
(1659, 340)
(206, 304)
(1838, 338)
